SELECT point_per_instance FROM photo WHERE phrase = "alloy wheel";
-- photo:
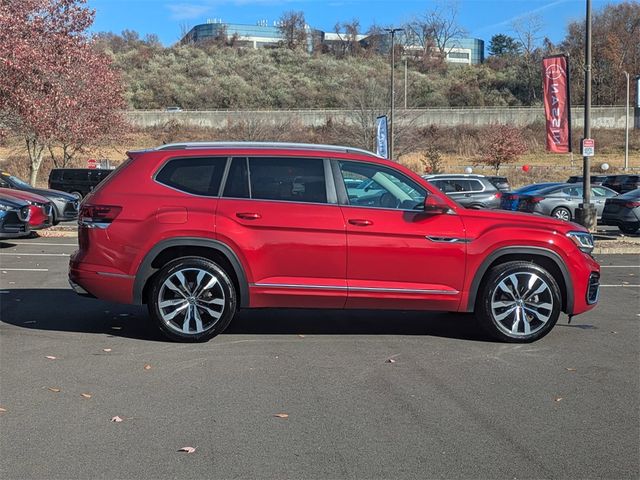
(191, 301)
(522, 304)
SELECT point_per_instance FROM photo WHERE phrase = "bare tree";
(292, 27)
(527, 31)
(436, 30)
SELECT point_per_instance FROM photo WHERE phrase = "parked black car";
(14, 217)
(501, 183)
(76, 181)
(471, 191)
(622, 183)
(623, 212)
(65, 205)
(595, 179)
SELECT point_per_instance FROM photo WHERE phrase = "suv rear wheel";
(192, 299)
(519, 302)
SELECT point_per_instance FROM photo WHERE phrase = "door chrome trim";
(356, 289)
(448, 239)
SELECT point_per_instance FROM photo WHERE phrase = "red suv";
(198, 230)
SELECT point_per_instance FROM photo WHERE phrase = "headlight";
(583, 240)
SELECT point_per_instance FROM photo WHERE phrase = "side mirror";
(435, 205)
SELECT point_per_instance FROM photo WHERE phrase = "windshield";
(18, 182)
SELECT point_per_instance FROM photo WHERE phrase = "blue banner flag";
(382, 137)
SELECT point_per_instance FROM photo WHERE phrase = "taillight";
(632, 204)
(536, 199)
(498, 195)
(98, 216)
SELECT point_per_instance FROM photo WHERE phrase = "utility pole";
(626, 126)
(405, 81)
(586, 212)
(393, 32)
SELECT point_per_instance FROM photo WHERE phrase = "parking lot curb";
(57, 233)
(633, 250)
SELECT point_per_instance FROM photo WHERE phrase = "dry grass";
(458, 145)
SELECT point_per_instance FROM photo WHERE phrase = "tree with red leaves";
(502, 144)
(53, 86)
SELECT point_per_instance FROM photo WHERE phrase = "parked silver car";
(559, 201)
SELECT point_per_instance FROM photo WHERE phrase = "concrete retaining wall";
(601, 117)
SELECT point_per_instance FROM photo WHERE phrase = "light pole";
(405, 81)
(626, 126)
(393, 32)
(586, 213)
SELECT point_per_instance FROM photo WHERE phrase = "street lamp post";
(586, 212)
(626, 126)
(393, 32)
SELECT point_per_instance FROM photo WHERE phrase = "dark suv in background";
(594, 179)
(622, 183)
(470, 191)
(76, 181)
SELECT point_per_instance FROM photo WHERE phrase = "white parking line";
(621, 285)
(619, 266)
(4, 270)
(36, 254)
(46, 244)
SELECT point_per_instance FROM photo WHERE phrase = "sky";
(480, 18)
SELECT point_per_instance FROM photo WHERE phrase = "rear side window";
(55, 175)
(199, 176)
(237, 185)
(288, 179)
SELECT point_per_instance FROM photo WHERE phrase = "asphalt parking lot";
(366, 394)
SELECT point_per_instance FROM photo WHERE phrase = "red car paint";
(38, 206)
(327, 255)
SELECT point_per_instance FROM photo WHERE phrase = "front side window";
(199, 176)
(386, 188)
(288, 179)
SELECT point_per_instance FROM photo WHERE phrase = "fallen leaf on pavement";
(51, 357)
(85, 395)
(106, 350)
(281, 415)
(390, 360)
(188, 449)
(569, 369)
(613, 331)
(147, 366)
(116, 419)
(3, 410)
(53, 389)
(557, 399)
(301, 336)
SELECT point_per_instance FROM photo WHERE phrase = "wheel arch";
(173, 248)
(545, 258)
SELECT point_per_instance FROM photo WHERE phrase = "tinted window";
(394, 189)
(475, 185)
(289, 179)
(200, 176)
(237, 185)
(55, 175)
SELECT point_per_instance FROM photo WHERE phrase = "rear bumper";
(96, 281)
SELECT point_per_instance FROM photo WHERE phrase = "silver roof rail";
(264, 145)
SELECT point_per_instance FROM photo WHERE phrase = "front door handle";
(360, 222)
(248, 215)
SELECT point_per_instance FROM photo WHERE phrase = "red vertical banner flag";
(557, 103)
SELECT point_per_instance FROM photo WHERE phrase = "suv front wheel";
(519, 302)
(192, 299)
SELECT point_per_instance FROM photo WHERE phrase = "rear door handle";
(248, 215)
(360, 222)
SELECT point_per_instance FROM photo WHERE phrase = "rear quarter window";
(198, 176)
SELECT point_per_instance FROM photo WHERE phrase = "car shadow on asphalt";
(62, 310)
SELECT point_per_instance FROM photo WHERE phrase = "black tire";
(54, 217)
(562, 213)
(77, 194)
(538, 312)
(192, 296)
(629, 228)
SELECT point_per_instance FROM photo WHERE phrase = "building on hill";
(462, 51)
